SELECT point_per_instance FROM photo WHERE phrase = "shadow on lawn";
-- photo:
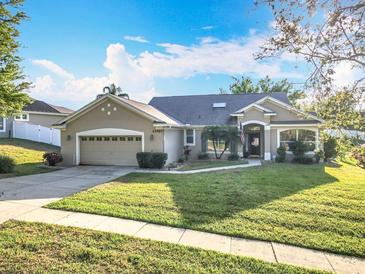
(27, 144)
(210, 197)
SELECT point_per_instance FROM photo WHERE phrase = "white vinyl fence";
(37, 133)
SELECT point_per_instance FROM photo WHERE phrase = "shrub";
(158, 159)
(180, 160)
(280, 154)
(203, 156)
(359, 155)
(7, 164)
(318, 155)
(303, 160)
(329, 147)
(52, 158)
(233, 157)
(151, 159)
(144, 159)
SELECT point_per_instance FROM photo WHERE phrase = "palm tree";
(113, 89)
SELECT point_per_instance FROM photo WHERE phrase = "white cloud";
(56, 69)
(346, 75)
(209, 27)
(44, 82)
(212, 56)
(136, 74)
(139, 39)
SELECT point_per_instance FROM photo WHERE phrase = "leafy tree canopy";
(265, 85)
(12, 83)
(226, 134)
(340, 111)
(326, 34)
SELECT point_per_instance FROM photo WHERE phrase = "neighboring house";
(111, 130)
(36, 113)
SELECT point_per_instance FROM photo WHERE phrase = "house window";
(130, 139)
(290, 136)
(189, 137)
(114, 138)
(218, 144)
(2, 124)
(83, 139)
(22, 117)
(106, 138)
(138, 139)
(99, 138)
(91, 138)
(122, 139)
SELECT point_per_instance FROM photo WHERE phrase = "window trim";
(185, 135)
(315, 130)
(4, 125)
(21, 118)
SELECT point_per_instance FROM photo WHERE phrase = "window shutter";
(233, 147)
(203, 144)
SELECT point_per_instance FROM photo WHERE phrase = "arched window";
(290, 136)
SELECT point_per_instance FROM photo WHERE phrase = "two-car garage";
(109, 146)
(110, 150)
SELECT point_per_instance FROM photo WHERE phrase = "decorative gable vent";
(219, 105)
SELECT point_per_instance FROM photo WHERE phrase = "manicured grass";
(40, 248)
(199, 164)
(27, 154)
(314, 206)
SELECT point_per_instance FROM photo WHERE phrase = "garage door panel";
(110, 151)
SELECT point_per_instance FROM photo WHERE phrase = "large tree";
(265, 85)
(340, 112)
(326, 34)
(12, 80)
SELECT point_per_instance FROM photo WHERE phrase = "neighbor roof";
(40, 106)
(198, 109)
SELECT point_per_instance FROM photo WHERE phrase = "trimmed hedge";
(203, 156)
(280, 154)
(7, 164)
(52, 158)
(151, 159)
(233, 157)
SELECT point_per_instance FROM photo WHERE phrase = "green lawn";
(314, 206)
(27, 154)
(40, 248)
(199, 164)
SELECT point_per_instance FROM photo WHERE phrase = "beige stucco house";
(111, 130)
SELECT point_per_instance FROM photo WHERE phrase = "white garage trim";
(105, 132)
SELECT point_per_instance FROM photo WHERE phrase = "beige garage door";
(110, 150)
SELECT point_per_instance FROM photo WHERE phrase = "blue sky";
(71, 49)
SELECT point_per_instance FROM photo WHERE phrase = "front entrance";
(254, 144)
(253, 141)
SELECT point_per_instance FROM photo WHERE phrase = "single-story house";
(111, 130)
(36, 113)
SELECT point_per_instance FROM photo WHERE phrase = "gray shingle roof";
(198, 109)
(40, 106)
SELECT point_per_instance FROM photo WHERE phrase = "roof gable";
(147, 111)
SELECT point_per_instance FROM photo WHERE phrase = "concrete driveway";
(19, 195)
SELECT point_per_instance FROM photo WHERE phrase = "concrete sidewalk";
(266, 251)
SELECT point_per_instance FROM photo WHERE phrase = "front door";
(254, 144)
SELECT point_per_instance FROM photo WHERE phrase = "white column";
(267, 138)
